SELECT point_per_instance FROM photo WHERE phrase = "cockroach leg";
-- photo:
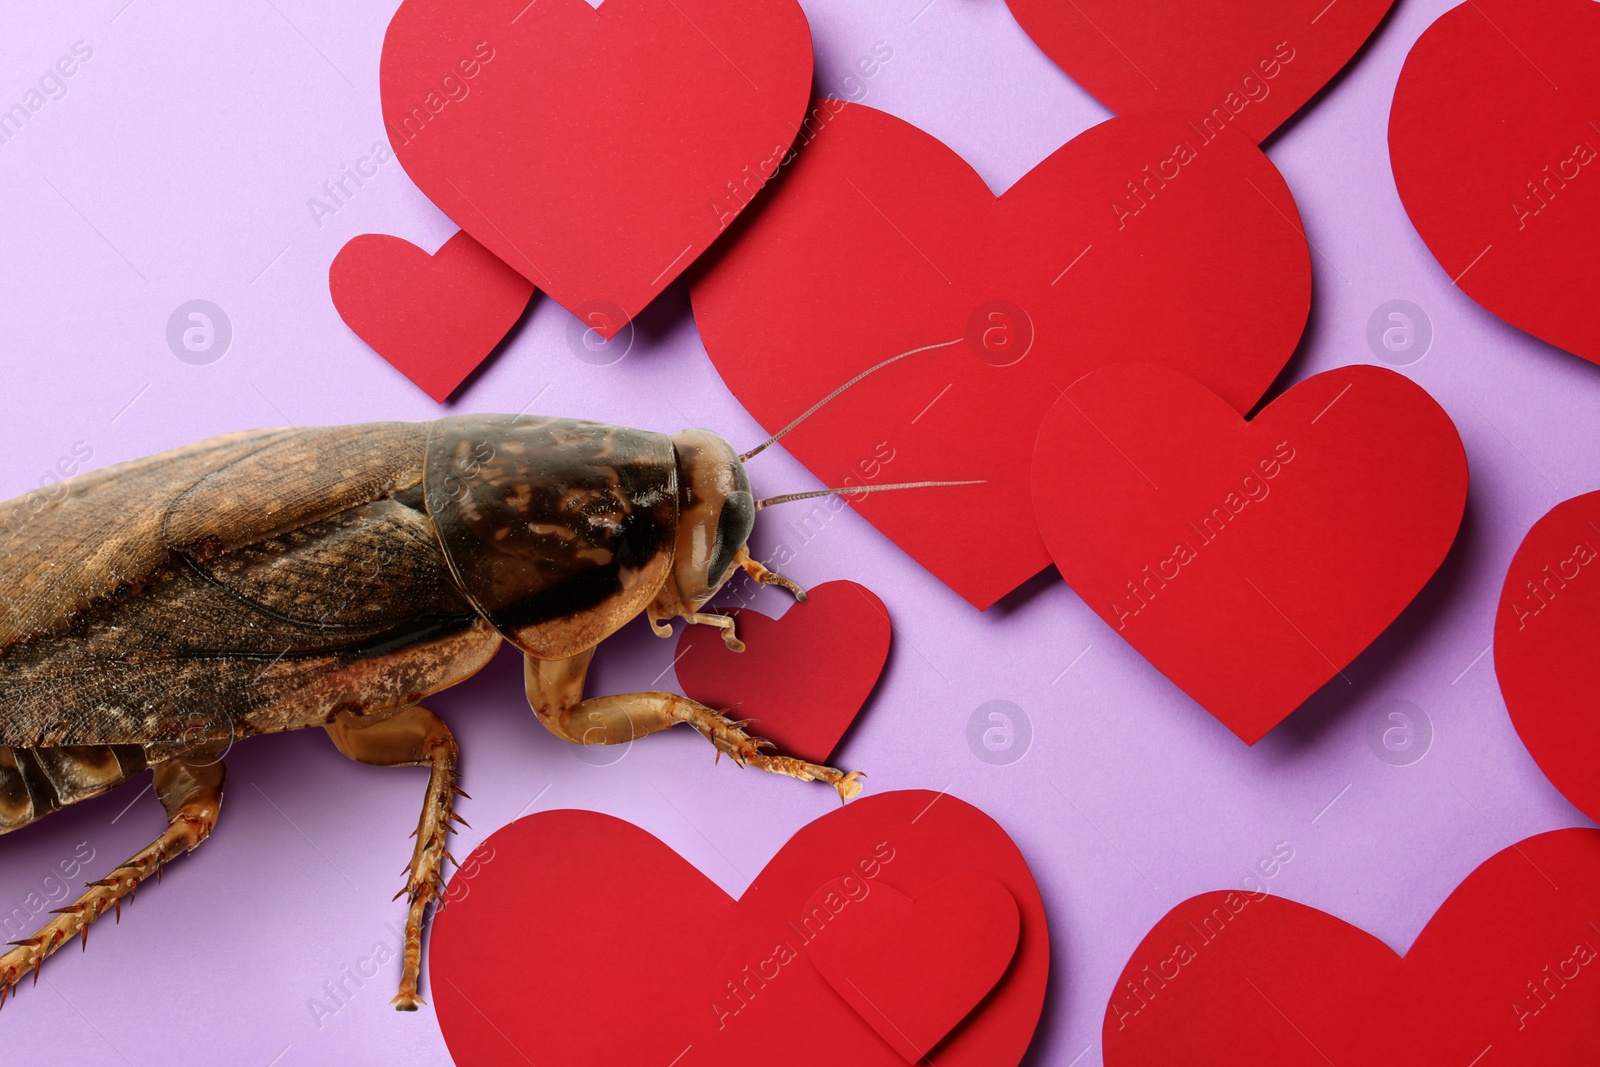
(412, 737)
(729, 736)
(757, 572)
(555, 691)
(721, 622)
(190, 788)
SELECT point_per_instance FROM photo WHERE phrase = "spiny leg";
(758, 572)
(190, 788)
(724, 623)
(555, 691)
(413, 737)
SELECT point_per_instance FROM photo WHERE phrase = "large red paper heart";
(803, 677)
(1244, 63)
(434, 318)
(1250, 562)
(915, 968)
(1494, 138)
(587, 941)
(599, 152)
(1547, 647)
(1506, 973)
(880, 239)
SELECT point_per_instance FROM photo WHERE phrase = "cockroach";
(159, 610)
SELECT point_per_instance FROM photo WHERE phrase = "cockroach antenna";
(813, 409)
(849, 490)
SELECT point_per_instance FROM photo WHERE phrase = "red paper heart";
(435, 318)
(880, 239)
(1494, 978)
(584, 940)
(1494, 138)
(803, 677)
(913, 969)
(599, 152)
(1250, 562)
(1547, 647)
(1245, 63)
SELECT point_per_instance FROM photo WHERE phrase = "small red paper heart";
(880, 239)
(913, 969)
(584, 940)
(1507, 972)
(803, 677)
(1494, 138)
(599, 152)
(434, 318)
(1250, 562)
(1244, 63)
(1547, 647)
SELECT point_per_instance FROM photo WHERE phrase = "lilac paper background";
(179, 165)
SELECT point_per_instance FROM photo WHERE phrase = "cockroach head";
(716, 510)
(716, 513)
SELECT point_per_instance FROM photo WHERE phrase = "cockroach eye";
(715, 513)
(737, 519)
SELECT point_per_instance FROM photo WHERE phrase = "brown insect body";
(335, 577)
(557, 531)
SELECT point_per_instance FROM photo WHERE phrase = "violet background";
(179, 165)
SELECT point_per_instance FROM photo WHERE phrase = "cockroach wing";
(100, 535)
(256, 583)
(559, 530)
(313, 473)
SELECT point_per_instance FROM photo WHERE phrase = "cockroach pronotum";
(158, 610)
